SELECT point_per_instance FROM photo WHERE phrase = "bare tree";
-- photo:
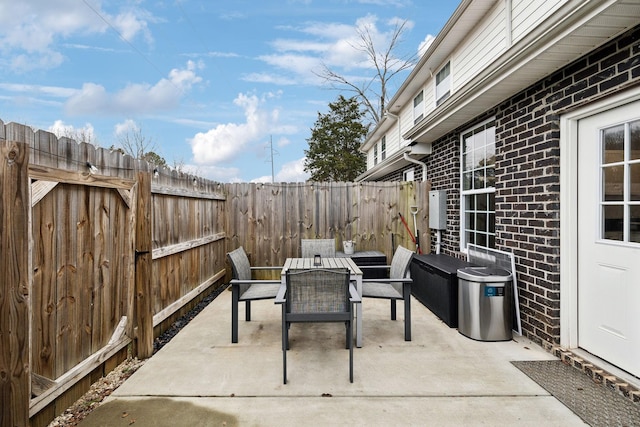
(134, 143)
(77, 134)
(373, 92)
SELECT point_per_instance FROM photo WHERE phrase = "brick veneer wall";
(528, 174)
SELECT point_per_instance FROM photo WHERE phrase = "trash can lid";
(484, 274)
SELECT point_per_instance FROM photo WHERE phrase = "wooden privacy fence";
(269, 220)
(97, 250)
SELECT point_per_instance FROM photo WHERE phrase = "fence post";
(143, 294)
(14, 284)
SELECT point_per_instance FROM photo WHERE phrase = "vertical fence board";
(143, 295)
(14, 286)
(44, 303)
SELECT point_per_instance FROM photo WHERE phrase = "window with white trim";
(383, 148)
(418, 107)
(375, 154)
(408, 175)
(443, 84)
(620, 182)
(477, 186)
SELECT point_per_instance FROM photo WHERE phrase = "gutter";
(408, 158)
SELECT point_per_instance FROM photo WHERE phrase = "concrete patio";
(440, 378)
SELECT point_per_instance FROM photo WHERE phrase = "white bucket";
(349, 246)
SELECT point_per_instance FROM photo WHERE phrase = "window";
(418, 107)
(620, 182)
(477, 186)
(375, 154)
(383, 148)
(407, 175)
(443, 84)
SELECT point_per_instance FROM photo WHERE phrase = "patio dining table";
(356, 276)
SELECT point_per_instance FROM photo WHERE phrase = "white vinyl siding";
(527, 15)
(483, 46)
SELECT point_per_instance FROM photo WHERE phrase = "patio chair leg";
(235, 296)
(349, 334)
(407, 319)
(393, 309)
(407, 312)
(247, 310)
(285, 345)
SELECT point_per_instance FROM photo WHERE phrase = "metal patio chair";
(326, 248)
(317, 295)
(396, 287)
(245, 288)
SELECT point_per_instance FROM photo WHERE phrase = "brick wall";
(528, 174)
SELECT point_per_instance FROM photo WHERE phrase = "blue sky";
(213, 84)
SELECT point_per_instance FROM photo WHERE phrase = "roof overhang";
(398, 160)
(575, 29)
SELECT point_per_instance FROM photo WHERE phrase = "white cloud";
(126, 127)
(29, 28)
(227, 141)
(424, 45)
(290, 172)
(81, 134)
(338, 46)
(135, 98)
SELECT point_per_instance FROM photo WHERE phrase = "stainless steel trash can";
(484, 303)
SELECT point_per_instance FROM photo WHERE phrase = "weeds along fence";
(98, 251)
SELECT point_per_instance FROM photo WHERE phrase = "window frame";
(409, 175)
(440, 83)
(620, 165)
(383, 148)
(418, 109)
(488, 210)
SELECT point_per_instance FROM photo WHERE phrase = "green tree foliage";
(154, 158)
(334, 146)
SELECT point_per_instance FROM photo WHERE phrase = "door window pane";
(613, 183)
(613, 222)
(634, 128)
(634, 224)
(634, 182)
(613, 144)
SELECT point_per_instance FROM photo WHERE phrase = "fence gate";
(83, 264)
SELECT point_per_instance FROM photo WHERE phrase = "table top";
(307, 263)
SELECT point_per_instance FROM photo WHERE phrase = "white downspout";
(417, 162)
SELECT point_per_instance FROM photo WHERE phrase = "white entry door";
(609, 236)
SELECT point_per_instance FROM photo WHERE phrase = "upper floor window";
(418, 107)
(443, 84)
(375, 154)
(383, 148)
(477, 186)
